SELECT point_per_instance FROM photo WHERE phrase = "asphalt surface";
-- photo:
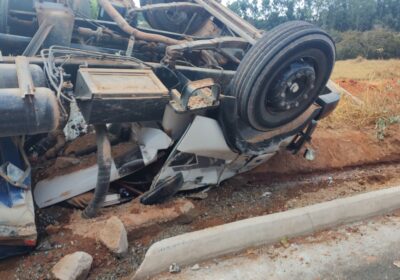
(367, 250)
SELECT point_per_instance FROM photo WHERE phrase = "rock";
(75, 266)
(309, 154)
(195, 267)
(266, 194)
(44, 246)
(114, 236)
(285, 242)
(174, 268)
(397, 264)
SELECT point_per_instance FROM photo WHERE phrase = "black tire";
(177, 21)
(270, 68)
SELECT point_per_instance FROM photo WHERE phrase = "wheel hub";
(292, 87)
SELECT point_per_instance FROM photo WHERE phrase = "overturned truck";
(162, 98)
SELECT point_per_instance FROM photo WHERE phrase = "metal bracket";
(196, 88)
(131, 44)
(38, 39)
(303, 137)
(180, 101)
(25, 82)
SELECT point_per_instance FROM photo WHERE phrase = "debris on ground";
(138, 219)
(198, 196)
(195, 267)
(309, 154)
(285, 242)
(75, 266)
(174, 268)
(266, 194)
(397, 264)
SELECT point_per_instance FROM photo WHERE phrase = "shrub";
(376, 44)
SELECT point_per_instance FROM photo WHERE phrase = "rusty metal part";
(59, 138)
(140, 35)
(165, 6)
(231, 20)
(38, 39)
(24, 75)
(81, 201)
(102, 34)
(173, 52)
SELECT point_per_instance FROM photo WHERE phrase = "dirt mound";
(338, 149)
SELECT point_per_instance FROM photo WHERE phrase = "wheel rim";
(292, 88)
(268, 106)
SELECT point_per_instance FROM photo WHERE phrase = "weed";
(376, 84)
(382, 125)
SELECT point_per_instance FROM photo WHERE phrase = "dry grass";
(361, 69)
(377, 84)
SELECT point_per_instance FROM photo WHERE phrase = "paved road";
(363, 251)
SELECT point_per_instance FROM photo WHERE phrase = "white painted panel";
(205, 138)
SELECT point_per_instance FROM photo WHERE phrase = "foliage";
(364, 28)
(375, 44)
(340, 15)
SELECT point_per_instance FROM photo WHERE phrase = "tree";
(341, 15)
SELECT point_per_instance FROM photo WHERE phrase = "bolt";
(295, 88)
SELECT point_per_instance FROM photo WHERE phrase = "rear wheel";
(283, 74)
(174, 20)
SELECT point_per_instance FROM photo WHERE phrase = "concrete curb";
(194, 247)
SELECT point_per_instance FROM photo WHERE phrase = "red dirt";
(356, 87)
(338, 149)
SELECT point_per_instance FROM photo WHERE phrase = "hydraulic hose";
(104, 161)
(137, 34)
